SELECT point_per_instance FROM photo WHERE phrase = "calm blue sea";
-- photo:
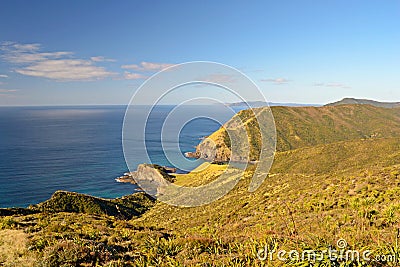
(44, 149)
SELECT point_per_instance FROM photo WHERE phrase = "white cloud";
(332, 85)
(147, 66)
(20, 47)
(60, 65)
(101, 59)
(26, 53)
(134, 76)
(65, 69)
(8, 90)
(3, 76)
(276, 80)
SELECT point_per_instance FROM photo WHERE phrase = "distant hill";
(347, 101)
(258, 104)
(299, 127)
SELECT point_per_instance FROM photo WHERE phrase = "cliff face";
(152, 178)
(299, 127)
(214, 147)
(240, 138)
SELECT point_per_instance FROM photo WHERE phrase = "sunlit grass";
(325, 190)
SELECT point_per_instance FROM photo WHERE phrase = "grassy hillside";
(123, 208)
(319, 191)
(315, 172)
(299, 127)
(310, 126)
(304, 203)
(307, 204)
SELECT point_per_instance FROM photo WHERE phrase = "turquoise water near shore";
(77, 148)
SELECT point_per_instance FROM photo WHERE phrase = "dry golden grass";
(202, 175)
(13, 249)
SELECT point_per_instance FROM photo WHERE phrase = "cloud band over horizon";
(29, 60)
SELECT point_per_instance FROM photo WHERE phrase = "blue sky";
(97, 52)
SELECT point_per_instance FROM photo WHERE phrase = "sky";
(100, 52)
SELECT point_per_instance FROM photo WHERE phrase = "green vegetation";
(327, 189)
(123, 208)
(299, 127)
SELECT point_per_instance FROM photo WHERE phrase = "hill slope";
(305, 203)
(312, 198)
(299, 127)
(320, 190)
(352, 101)
(306, 172)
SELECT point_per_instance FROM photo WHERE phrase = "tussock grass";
(14, 249)
(337, 176)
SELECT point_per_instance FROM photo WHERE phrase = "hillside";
(354, 101)
(331, 173)
(313, 197)
(299, 127)
(123, 208)
(340, 179)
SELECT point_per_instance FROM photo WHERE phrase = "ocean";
(79, 149)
